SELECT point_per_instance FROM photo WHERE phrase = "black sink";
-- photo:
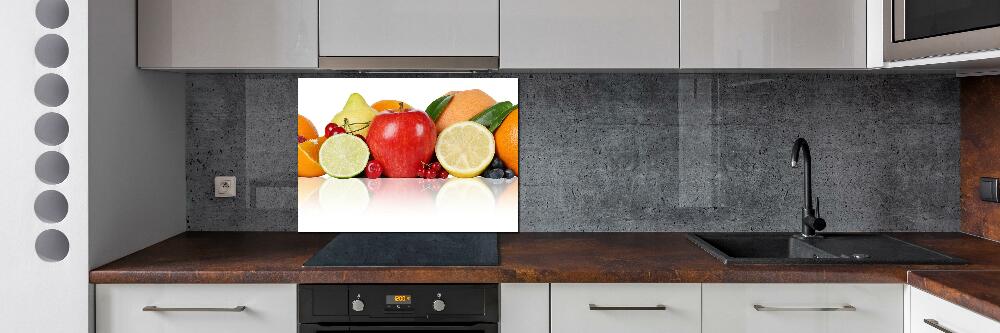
(786, 248)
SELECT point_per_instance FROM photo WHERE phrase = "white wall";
(38, 295)
(137, 187)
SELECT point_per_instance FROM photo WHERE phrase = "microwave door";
(916, 29)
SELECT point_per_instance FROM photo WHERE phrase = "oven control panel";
(398, 303)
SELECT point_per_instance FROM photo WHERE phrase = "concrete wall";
(640, 152)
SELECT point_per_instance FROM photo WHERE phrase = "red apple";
(401, 141)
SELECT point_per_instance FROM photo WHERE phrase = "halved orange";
(309, 157)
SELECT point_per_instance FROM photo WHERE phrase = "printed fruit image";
(343, 155)
(390, 105)
(306, 128)
(465, 149)
(402, 142)
(356, 115)
(309, 158)
(506, 141)
(463, 106)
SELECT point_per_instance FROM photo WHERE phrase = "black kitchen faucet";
(810, 221)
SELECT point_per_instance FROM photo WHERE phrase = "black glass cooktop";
(408, 249)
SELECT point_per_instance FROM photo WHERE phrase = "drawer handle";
(154, 308)
(594, 307)
(935, 324)
(848, 307)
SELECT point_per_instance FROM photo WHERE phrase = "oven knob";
(438, 305)
(358, 305)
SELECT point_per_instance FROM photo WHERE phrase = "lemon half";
(465, 149)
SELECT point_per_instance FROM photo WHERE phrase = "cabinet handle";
(848, 307)
(935, 324)
(240, 308)
(594, 307)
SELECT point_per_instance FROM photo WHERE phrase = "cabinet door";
(406, 28)
(773, 34)
(817, 308)
(626, 307)
(227, 33)
(524, 308)
(589, 34)
(189, 308)
(929, 314)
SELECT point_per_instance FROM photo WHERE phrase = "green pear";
(356, 116)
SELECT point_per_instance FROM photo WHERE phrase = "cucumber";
(494, 115)
(438, 105)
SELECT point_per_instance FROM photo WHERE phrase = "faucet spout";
(810, 222)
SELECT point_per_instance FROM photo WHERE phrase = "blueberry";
(508, 174)
(496, 163)
(494, 174)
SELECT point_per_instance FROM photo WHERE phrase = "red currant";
(421, 171)
(302, 139)
(373, 170)
(435, 167)
(443, 174)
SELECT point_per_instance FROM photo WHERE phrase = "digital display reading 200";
(397, 299)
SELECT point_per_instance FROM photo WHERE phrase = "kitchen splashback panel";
(638, 152)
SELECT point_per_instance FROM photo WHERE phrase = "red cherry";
(360, 137)
(373, 170)
(443, 174)
(302, 139)
(337, 130)
(328, 130)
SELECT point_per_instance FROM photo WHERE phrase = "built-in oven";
(387, 308)
(928, 28)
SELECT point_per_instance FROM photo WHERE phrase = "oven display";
(398, 299)
(397, 303)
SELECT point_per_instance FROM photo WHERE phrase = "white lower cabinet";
(524, 308)
(816, 308)
(930, 314)
(196, 308)
(625, 307)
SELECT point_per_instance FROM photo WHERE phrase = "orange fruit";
(463, 106)
(309, 157)
(389, 105)
(306, 128)
(506, 141)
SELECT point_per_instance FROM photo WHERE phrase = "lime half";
(343, 156)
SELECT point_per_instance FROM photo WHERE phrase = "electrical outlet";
(225, 187)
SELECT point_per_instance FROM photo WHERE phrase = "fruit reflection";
(343, 199)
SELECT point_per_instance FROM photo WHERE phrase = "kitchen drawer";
(948, 316)
(269, 308)
(406, 28)
(776, 308)
(626, 307)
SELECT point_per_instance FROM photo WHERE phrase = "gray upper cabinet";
(582, 34)
(774, 34)
(408, 28)
(192, 34)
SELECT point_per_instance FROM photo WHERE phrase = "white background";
(402, 204)
(321, 98)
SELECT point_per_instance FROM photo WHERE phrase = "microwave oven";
(915, 29)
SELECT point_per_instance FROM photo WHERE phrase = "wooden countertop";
(978, 291)
(277, 257)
